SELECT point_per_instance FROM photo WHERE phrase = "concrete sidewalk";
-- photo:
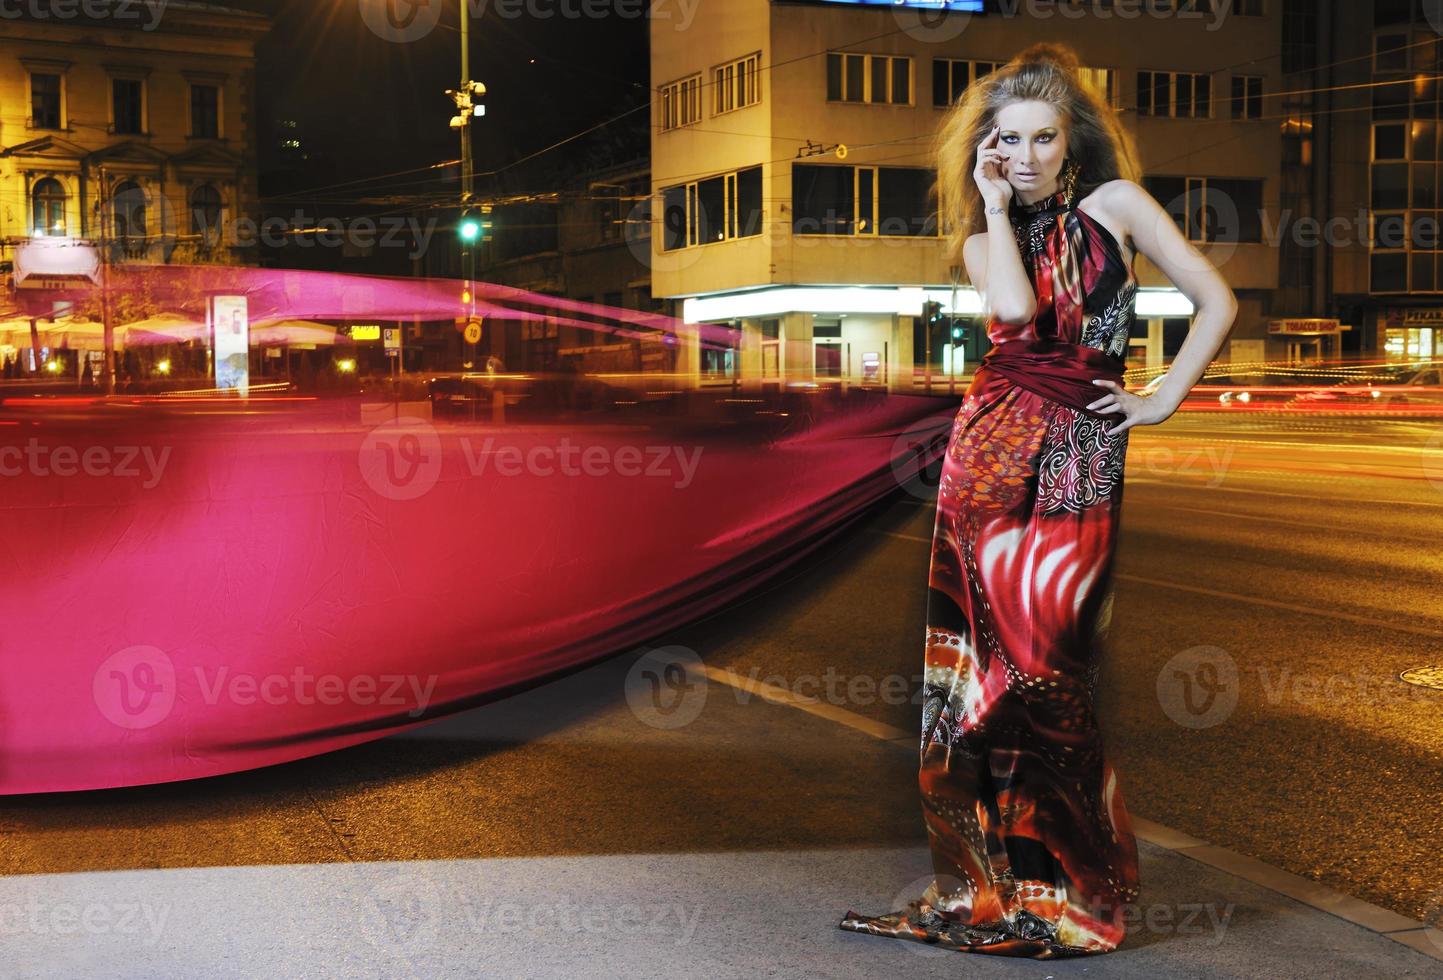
(712, 915)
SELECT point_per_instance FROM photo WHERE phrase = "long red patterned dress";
(1032, 849)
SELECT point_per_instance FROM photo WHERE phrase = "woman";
(1032, 849)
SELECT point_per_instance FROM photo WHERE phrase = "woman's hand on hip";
(1136, 409)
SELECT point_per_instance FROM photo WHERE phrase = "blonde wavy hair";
(1043, 72)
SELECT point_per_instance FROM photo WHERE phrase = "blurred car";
(1262, 390)
(535, 394)
(1386, 386)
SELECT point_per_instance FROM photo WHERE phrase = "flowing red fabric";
(1056, 370)
(195, 590)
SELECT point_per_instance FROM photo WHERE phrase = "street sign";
(473, 332)
(1304, 325)
(391, 336)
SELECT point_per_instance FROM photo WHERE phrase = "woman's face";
(1035, 144)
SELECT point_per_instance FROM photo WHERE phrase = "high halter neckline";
(1057, 202)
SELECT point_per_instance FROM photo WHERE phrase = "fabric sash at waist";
(1054, 369)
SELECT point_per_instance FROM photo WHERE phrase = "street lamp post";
(467, 108)
(467, 179)
(108, 371)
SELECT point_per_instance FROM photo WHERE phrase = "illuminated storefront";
(873, 335)
(1411, 334)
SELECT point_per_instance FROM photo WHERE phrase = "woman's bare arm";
(994, 267)
(1157, 236)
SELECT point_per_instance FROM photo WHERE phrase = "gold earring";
(1069, 179)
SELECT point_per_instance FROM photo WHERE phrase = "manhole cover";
(1431, 676)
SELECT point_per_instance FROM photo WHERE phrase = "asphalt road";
(1273, 580)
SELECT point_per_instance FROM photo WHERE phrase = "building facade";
(1384, 136)
(790, 174)
(134, 132)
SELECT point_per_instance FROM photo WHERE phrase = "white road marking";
(1237, 597)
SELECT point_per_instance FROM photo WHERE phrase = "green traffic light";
(470, 230)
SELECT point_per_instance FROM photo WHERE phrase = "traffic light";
(959, 333)
(475, 225)
(932, 312)
(469, 227)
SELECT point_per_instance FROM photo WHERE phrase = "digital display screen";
(232, 343)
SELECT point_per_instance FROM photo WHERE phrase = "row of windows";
(1412, 51)
(1422, 230)
(735, 85)
(128, 210)
(1404, 187)
(885, 79)
(1211, 209)
(128, 105)
(1399, 185)
(716, 209)
(832, 200)
(826, 200)
(829, 199)
(1406, 272)
(1189, 95)
(1415, 98)
(869, 78)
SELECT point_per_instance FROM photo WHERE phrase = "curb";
(1416, 935)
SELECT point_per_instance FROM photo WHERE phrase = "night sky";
(368, 106)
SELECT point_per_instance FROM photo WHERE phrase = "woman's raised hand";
(991, 169)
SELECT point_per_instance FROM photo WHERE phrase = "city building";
(790, 175)
(1382, 142)
(131, 125)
